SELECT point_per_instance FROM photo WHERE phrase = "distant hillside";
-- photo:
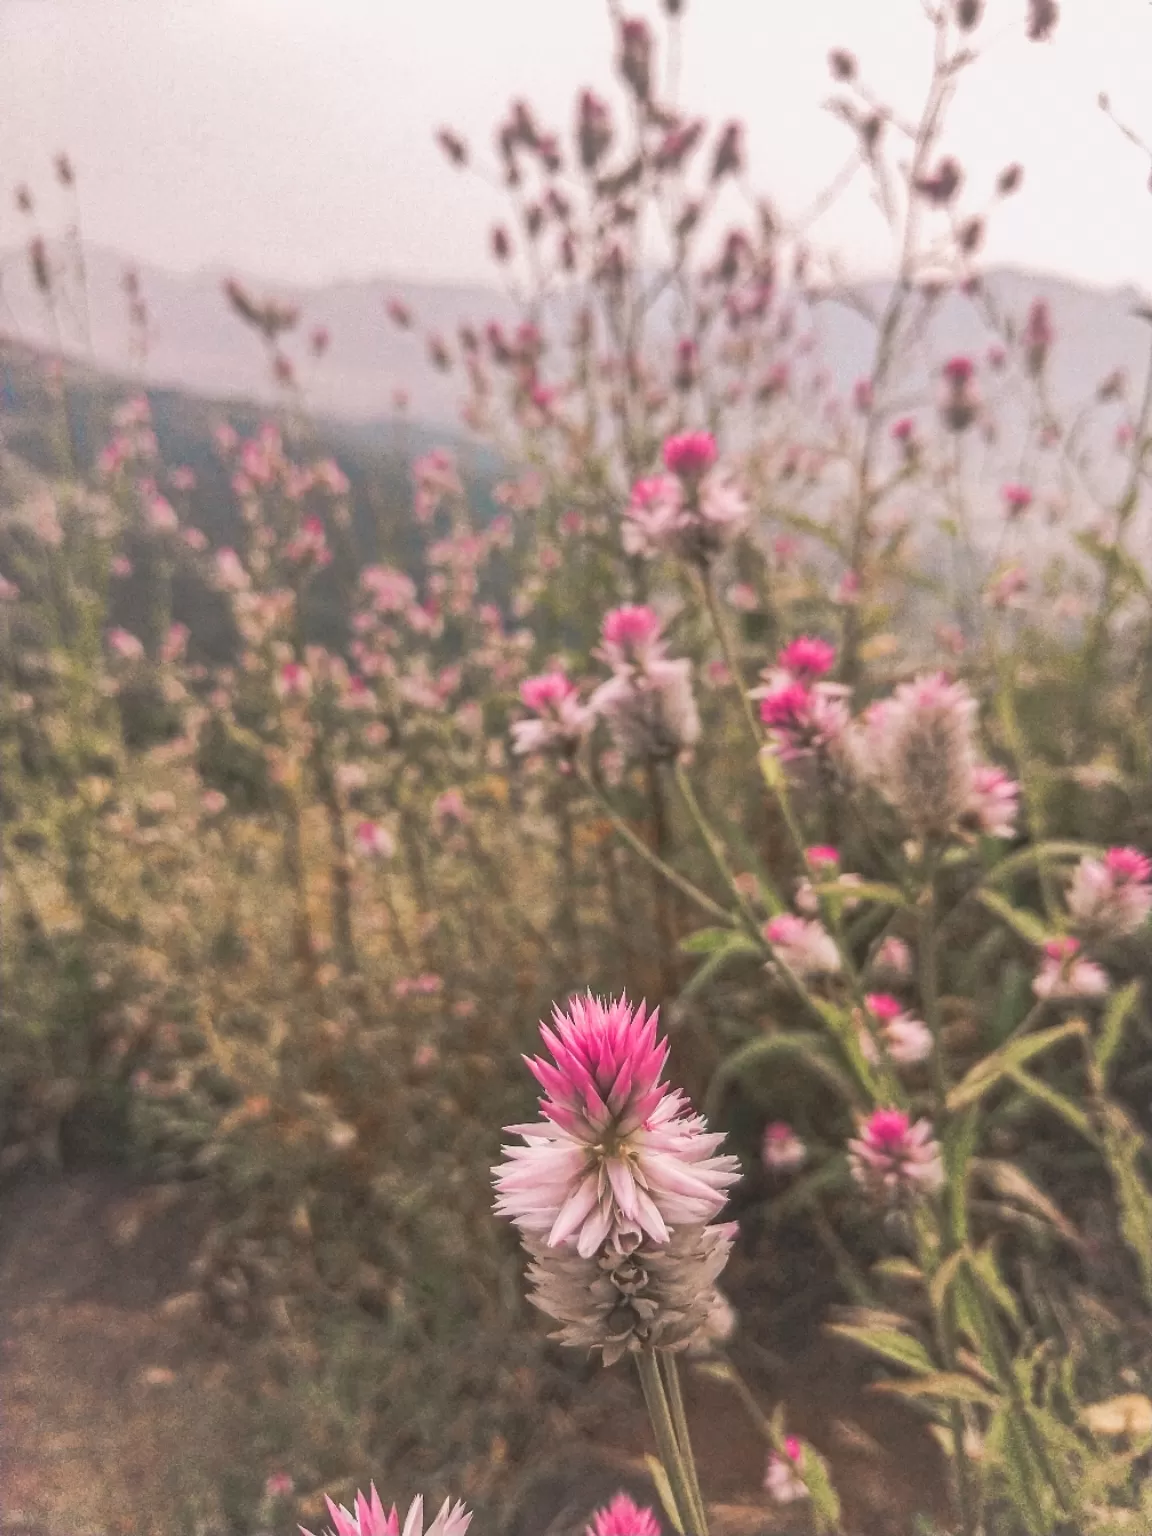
(196, 344)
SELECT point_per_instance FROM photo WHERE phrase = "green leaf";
(959, 1145)
(706, 941)
(1058, 1102)
(1007, 1060)
(1120, 1006)
(664, 1489)
(1010, 1183)
(1124, 1147)
(898, 1269)
(890, 1344)
(1039, 853)
(825, 1500)
(867, 890)
(1026, 924)
(982, 1264)
(944, 1277)
(949, 1386)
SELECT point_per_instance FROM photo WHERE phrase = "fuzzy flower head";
(805, 947)
(895, 956)
(1112, 895)
(618, 1155)
(806, 658)
(803, 721)
(623, 1518)
(651, 713)
(691, 519)
(782, 1480)
(370, 1519)
(561, 722)
(690, 455)
(781, 1150)
(1064, 973)
(631, 637)
(372, 841)
(904, 1039)
(994, 802)
(892, 1159)
(917, 749)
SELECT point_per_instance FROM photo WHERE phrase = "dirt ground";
(114, 1400)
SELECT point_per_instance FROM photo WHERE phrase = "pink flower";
(1112, 894)
(782, 1481)
(822, 859)
(1008, 588)
(905, 1039)
(805, 947)
(994, 802)
(1017, 499)
(961, 400)
(310, 546)
(894, 955)
(212, 802)
(618, 1155)
(124, 645)
(371, 1520)
(892, 1158)
(120, 566)
(690, 454)
(806, 658)
(1063, 974)
(631, 636)
(372, 841)
(781, 1150)
(623, 1518)
(802, 720)
(561, 722)
(742, 597)
(230, 573)
(293, 681)
(391, 591)
(450, 806)
(662, 519)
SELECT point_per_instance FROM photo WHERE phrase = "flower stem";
(680, 1425)
(730, 658)
(660, 1417)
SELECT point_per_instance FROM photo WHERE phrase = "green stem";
(667, 1446)
(640, 848)
(680, 1425)
(716, 848)
(730, 657)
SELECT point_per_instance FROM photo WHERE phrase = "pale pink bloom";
(125, 645)
(293, 681)
(651, 713)
(846, 592)
(278, 1485)
(782, 1481)
(781, 1150)
(917, 748)
(1063, 974)
(1112, 894)
(161, 515)
(120, 566)
(350, 777)
(994, 802)
(743, 597)
(195, 538)
(806, 658)
(561, 722)
(618, 1155)
(9, 591)
(804, 946)
(652, 515)
(662, 518)
(892, 1157)
(182, 478)
(623, 1518)
(803, 720)
(212, 802)
(175, 642)
(372, 841)
(310, 545)
(894, 955)
(905, 1039)
(1008, 589)
(370, 1519)
(450, 806)
(1017, 499)
(392, 591)
(230, 573)
(631, 636)
(690, 455)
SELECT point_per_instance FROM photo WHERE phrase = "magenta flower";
(1114, 894)
(691, 520)
(561, 722)
(892, 1158)
(782, 1480)
(631, 636)
(823, 860)
(805, 947)
(1064, 974)
(690, 455)
(802, 720)
(806, 658)
(370, 1519)
(961, 399)
(618, 1155)
(293, 681)
(623, 1518)
(372, 841)
(781, 1150)
(310, 546)
(1017, 499)
(994, 802)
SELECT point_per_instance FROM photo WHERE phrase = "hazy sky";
(292, 138)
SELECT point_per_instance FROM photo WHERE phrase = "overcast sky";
(292, 138)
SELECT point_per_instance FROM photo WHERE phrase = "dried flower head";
(917, 749)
